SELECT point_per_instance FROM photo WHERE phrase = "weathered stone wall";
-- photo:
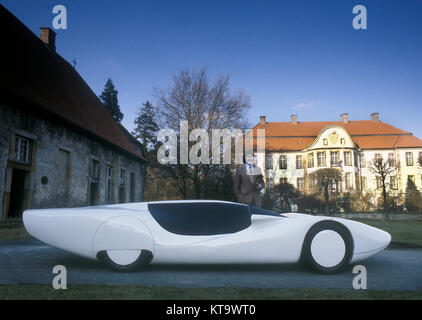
(48, 139)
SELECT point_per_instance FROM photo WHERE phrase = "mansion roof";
(366, 134)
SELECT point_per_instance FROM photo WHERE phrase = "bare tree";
(326, 179)
(204, 105)
(382, 169)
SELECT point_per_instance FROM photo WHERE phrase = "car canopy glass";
(201, 218)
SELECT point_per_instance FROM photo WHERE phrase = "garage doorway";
(18, 194)
(93, 194)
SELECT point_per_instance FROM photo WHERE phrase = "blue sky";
(301, 57)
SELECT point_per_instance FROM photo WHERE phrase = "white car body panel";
(122, 229)
(122, 233)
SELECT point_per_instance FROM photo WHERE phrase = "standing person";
(248, 182)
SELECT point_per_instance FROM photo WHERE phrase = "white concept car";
(129, 236)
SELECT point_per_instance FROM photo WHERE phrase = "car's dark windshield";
(201, 218)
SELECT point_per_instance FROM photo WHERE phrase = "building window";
(300, 184)
(311, 160)
(283, 180)
(299, 163)
(21, 149)
(283, 161)
(409, 158)
(378, 157)
(420, 158)
(109, 183)
(391, 159)
(122, 186)
(342, 141)
(269, 161)
(122, 179)
(325, 142)
(335, 159)
(348, 181)
(93, 184)
(321, 159)
(95, 170)
(312, 184)
(132, 197)
(393, 182)
(362, 161)
(363, 184)
(347, 158)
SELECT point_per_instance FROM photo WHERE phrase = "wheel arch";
(123, 233)
(327, 223)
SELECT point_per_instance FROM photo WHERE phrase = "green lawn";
(402, 232)
(83, 292)
(13, 233)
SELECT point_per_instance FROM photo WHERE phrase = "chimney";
(48, 36)
(262, 120)
(345, 117)
(294, 118)
(375, 117)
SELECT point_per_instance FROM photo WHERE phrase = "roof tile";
(367, 134)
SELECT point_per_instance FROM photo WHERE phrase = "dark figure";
(248, 182)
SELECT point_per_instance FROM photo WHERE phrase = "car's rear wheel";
(126, 260)
(328, 247)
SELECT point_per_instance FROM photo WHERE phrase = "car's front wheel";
(126, 260)
(328, 247)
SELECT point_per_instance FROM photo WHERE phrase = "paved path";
(30, 262)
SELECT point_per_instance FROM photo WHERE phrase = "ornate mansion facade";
(295, 149)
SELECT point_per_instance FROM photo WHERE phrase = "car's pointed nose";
(369, 241)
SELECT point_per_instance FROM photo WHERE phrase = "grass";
(14, 232)
(403, 232)
(104, 292)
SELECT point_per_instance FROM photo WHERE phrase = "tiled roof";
(31, 71)
(312, 129)
(367, 134)
(287, 144)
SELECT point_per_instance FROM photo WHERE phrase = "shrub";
(361, 202)
(413, 198)
(311, 204)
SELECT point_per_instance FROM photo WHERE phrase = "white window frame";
(348, 180)
(283, 162)
(311, 156)
(347, 159)
(299, 162)
(409, 159)
(17, 149)
(324, 159)
(300, 185)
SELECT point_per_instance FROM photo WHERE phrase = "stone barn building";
(59, 146)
